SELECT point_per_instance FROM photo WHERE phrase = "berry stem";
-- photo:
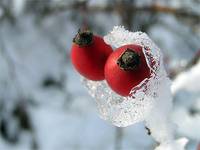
(83, 37)
(129, 60)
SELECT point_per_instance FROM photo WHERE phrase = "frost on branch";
(150, 101)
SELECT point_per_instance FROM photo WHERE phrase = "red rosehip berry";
(125, 68)
(89, 54)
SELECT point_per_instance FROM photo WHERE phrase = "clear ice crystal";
(124, 111)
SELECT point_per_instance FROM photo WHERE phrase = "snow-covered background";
(43, 105)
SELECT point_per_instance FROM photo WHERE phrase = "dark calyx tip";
(129, 60)
(83, 37)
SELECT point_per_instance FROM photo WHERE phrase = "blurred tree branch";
(121, 6)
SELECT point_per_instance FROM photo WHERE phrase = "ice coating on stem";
(150, 101)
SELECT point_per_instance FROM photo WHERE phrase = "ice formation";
(150, 101)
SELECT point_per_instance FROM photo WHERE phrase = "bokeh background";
(43, 105)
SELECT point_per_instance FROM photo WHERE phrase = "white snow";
(177, 145)
(186, 89)
(188, 80)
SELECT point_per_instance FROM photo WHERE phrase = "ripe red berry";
(89, 54)
(125, 68)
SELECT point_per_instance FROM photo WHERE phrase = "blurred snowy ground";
(36, 77)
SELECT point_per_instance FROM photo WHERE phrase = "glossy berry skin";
(89, 59)
(122, 80)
